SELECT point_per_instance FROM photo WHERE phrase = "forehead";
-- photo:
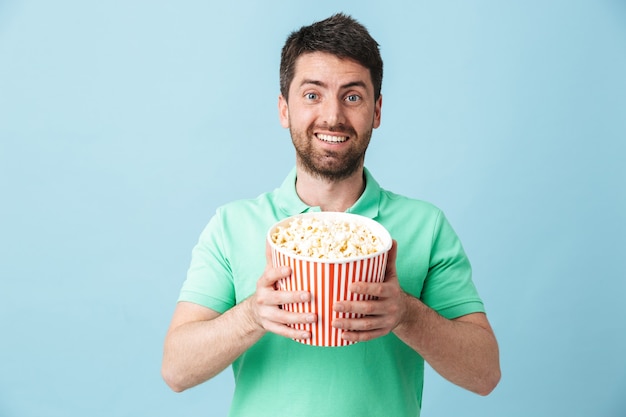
(329, 69)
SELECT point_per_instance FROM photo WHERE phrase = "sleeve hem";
(214, 304)
(463, 309)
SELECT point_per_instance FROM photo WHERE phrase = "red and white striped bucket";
(328, 280)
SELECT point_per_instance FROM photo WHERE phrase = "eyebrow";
(345, 86)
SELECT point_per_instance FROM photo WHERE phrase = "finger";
(371, 307)
(382, 313)
(285, 323)
(293, 297)
(289, 332)
(375, 324)
(363, 336)
(267, 295)
(280, 316)
(374, 289)
(272, 275)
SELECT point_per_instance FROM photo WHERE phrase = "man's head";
(338, 35)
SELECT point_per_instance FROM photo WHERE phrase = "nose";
(333, 112)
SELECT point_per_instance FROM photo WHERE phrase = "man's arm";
(201, 342)
(463, 350)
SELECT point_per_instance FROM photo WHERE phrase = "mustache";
(340, 129)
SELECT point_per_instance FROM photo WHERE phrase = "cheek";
(301, 119)
(363, 124)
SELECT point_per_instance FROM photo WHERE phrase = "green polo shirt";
(278, 376)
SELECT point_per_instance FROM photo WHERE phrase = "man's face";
(331, 113)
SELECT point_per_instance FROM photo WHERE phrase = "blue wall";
(124, 124)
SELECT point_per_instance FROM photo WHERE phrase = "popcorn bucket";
(327, 279)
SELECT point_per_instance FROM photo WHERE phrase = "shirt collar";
(290, 203)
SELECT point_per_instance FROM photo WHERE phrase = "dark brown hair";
(339, 35)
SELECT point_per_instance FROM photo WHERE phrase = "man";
(426, 309)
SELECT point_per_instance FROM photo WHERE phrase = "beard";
(328, 164)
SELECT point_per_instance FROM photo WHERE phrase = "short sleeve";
(209, 277)
(448, 287)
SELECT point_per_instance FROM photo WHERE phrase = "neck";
(329, 195)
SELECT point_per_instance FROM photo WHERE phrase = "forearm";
(198, 350)
(464, 350)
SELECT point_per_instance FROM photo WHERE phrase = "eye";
(353, 98)
(311, 96)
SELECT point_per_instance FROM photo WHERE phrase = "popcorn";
(326, 238)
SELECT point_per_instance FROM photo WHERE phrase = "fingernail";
(310, 317)
(304, 297)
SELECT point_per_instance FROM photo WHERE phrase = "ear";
(377, 111)
(283, 111)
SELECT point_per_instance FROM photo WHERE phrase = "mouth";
(331, 138)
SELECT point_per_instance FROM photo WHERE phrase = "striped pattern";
(328, 282)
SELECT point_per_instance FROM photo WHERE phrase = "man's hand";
(267, 301)
(201, 342)
(463, 350)
(382, 314)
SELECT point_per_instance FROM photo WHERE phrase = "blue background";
(124, 124)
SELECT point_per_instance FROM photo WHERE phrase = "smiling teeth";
(332, 139)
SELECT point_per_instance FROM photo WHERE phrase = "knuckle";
(262, 298)
(369, 308)
(293, 318)
(393, 309)
(368, 324)
(378, 290)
